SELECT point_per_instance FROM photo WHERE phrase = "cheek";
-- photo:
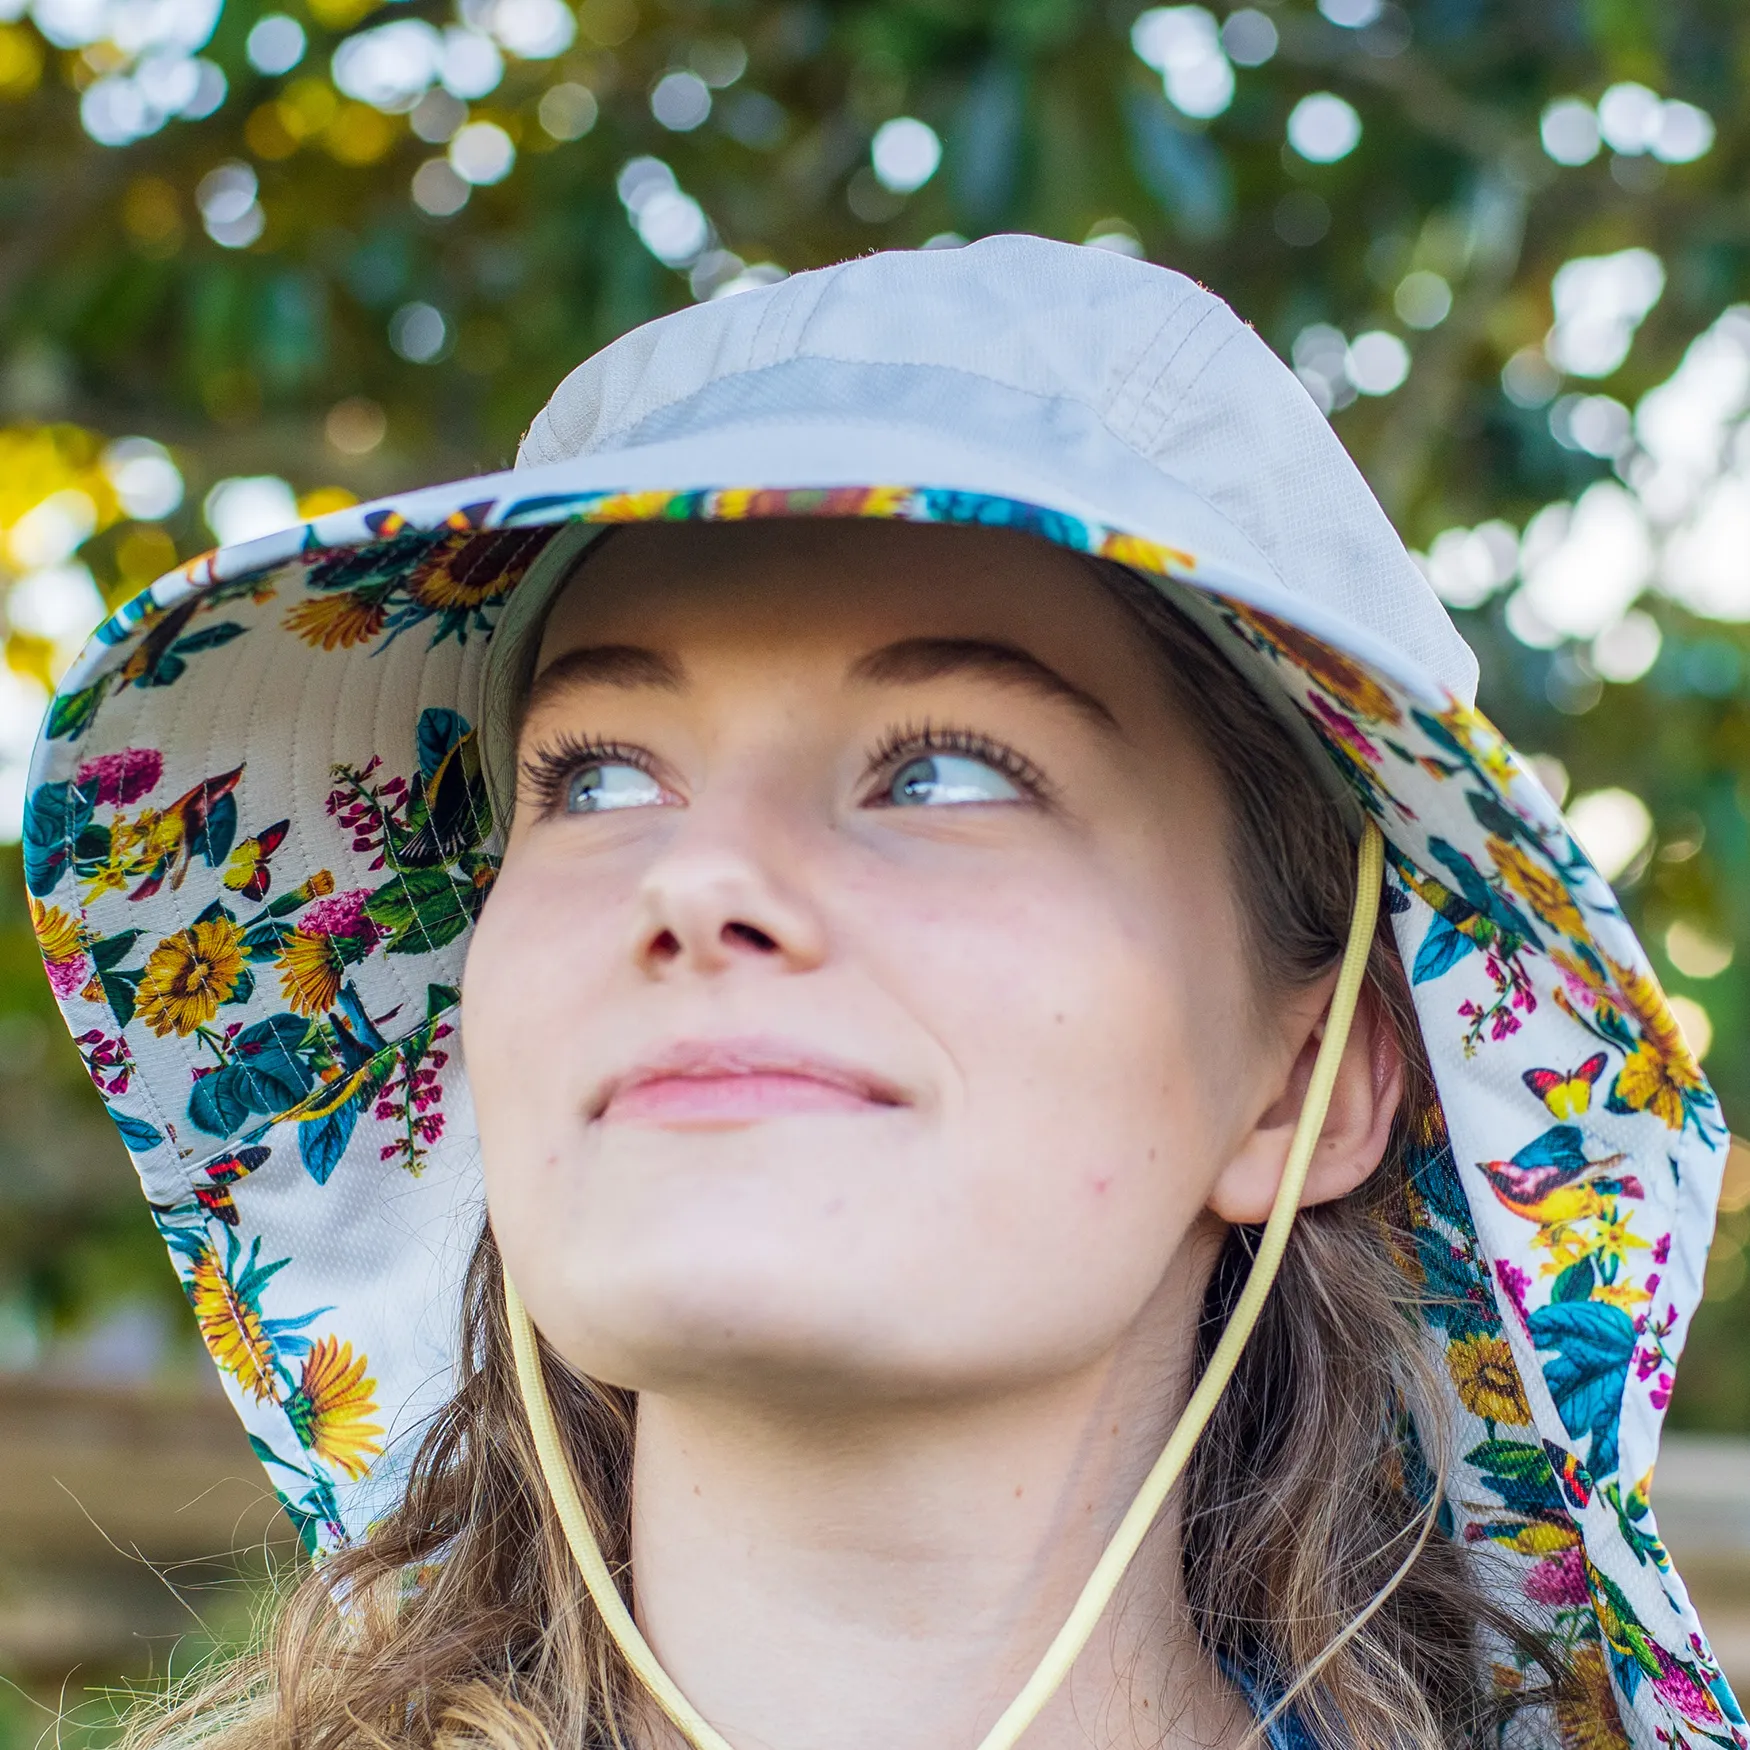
(1078, 1012)
(534, 965)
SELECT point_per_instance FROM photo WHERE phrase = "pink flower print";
(1660, 1395)
(108, 1061)
(1662, 1249)
(1345, 729)
(343, 914)
(1677, 1684)
(1514, 1283)
(121, 777)
(1558, 1579)
(68, 977)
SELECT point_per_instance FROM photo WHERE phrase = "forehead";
(839, 587)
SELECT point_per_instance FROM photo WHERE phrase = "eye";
(937, 779)
(596, 789)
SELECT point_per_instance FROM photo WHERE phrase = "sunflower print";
(332, 1408)
(1543, 892)
(1487, 1380)
(63, 940)
(232, 1327)
(1660, 1075)
(1586, 1709)
(311, 972)
(337, 622)
(189, 975)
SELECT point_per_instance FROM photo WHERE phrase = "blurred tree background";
(261, 258)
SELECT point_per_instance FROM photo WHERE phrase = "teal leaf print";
(440, 731)
(208, 638)
(212, 838)
(1502, 913)
(1593, 1345)
(54, 817)
(267, 1074)
(1442, 949)
(137, 1135)
(322, 1141)
(216, 1104)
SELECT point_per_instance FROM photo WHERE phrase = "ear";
(1370, 1081)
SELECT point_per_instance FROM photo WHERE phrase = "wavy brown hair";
(1310, 1542)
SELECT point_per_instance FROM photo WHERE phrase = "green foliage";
(119, 314)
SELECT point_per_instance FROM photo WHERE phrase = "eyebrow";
(908, 661)
(605, 665)
(911, 660)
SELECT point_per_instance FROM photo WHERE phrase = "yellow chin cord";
(1103, 1582)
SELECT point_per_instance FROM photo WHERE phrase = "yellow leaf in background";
(608, 22)
(340, 14)
(21, 62)
(308, 106)
(32, 657)
(267, 134)
(143, 555)
(37, 461)
(152, 213)
(323, 499)
(359, 135)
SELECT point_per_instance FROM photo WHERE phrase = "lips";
(714, 1083)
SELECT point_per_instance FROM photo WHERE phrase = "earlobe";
(1357, 1126)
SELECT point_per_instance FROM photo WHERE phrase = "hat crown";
(1127, 383)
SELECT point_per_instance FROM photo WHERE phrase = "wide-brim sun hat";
(259, 828)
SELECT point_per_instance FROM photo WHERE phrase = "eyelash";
(546, 771)
(908, 741)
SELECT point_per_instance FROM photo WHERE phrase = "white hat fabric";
(258, 832)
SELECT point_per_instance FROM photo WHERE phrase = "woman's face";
(862, 1008)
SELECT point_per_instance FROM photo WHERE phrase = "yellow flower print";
(1483, 742)
(59, 935)
(189, 975)
(331, 1408)
(1585, 1708)
(1143, 555)
(230, 1326)
(634, 507)
(1346, 680)
(1661, 1070)
(1613, 1242)
(466, 571)
(1659, 1073)
(1542, 891)
(336, 622)
(310, 973)
(1488, 1385)
(63, 940)
(1623, 1294)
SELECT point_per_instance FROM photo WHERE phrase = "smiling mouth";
(705, 1085)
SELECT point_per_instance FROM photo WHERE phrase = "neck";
(853, 1580)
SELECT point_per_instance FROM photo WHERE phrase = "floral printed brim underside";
(258, 835)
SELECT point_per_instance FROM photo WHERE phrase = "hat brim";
(254, 874)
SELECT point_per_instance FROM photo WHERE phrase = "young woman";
(959, 1225)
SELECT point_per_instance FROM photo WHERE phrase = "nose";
(712, 908)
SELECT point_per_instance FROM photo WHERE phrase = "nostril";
(666, 946)
(746, 936)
